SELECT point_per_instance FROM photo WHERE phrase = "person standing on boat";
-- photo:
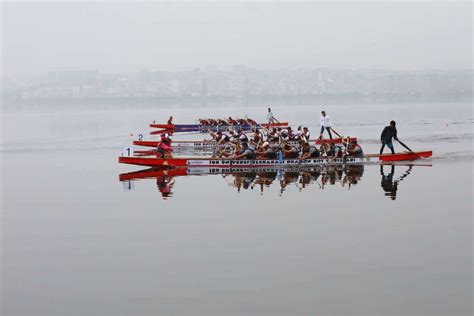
(270, 118)
(388, 133)
(325, 122)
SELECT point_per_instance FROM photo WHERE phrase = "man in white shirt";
(325, 122)
(270, 118)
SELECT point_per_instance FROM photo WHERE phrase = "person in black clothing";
(388, 133)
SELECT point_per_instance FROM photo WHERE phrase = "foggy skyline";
(122, 37)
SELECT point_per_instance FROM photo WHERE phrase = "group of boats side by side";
(271, 144)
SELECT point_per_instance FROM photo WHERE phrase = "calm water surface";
(83, 235)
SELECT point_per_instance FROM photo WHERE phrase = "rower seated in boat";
(354, 149)
(273, 136)
(335, 151)
(231, 121)
(248, 151)
(170, 121)
(251, 122)
(220, 138)
(242, 137)
(234, 137)
(222, 122)
(204, 122)
(257, 137)
(324, 147)
(309, 151)
(241, 122)
(266, 151)
(290, 152)
(164, 149)
(305, 135)
(291, 134)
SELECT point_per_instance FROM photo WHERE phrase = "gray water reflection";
(343, 177)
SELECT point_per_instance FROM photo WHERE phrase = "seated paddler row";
(275, 143)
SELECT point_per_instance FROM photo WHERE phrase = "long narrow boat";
(212, 144)
(164, 128)
(225, 162)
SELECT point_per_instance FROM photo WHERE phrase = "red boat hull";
(218, 162)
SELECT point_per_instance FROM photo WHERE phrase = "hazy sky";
(125, 36)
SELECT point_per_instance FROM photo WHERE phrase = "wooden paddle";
(339, 135)
(404, 145)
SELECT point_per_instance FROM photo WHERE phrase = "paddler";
(164, 149)
(220, 138)
(324, 148)
(325, 122)
(243, 137)
(170, 121)
(257, 137)
(354, 149)
(289, 151)
(266, 151)
(335, 151)
(302, 134)
(309, 151)
(248, 152)
(232, 121)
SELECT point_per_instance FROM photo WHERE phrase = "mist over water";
(84, 233)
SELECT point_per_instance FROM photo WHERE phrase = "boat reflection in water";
(262, 178)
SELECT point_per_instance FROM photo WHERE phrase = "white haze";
(38, 37)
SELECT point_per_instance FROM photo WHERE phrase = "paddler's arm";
(382, 136)
(305, 155)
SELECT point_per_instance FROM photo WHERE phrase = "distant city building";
(241, 82)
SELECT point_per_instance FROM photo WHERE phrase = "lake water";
(81, 237)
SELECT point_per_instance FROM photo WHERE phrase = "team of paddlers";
(223, 122)
(280, 143)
